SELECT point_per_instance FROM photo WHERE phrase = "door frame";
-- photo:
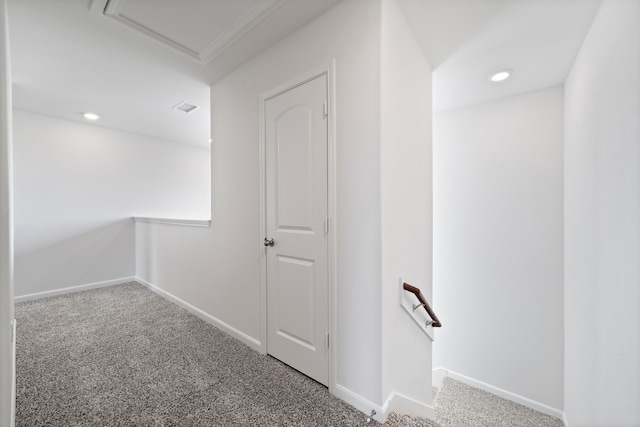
(329, 71)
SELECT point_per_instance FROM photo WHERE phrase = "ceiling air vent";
(185, 106)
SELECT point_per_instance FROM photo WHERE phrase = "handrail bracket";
(434, 322)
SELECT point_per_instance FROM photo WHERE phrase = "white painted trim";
(332, 211)
(395, 402)
(72, 289)
(97, 6)
(184, 222)
(295, 82)
(113, 7)
(262, 250)
(252, 17)
(540, 407)
(235, 333)
(565, 421)
(329, 71)
(238, 29)
(360, 403)
(437, 375)
(151, 33)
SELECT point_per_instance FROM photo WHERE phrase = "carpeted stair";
(457, 404)
(398, 420)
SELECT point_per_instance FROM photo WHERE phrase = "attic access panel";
(199, 29)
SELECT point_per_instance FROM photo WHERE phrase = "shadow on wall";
(98, 254)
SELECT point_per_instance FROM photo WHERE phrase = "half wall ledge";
(171, 221)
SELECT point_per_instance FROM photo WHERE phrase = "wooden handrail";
(407, 287)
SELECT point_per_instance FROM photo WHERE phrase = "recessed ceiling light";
(91, 116)
(500, 76)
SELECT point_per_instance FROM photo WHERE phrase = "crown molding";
(238, 29)
(244, 24)
(157, 36)
(113, 7)
(97, 6)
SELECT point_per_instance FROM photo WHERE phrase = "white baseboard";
(239, 335)
(437, 375)
(71, 289)
(395, 402)
(360, 403)
(440, 373)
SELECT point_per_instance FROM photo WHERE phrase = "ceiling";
(133, 61)
(466, 41)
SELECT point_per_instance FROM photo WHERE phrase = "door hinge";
(326, 226)
(326, 108)
(327, 340)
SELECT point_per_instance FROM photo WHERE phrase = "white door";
(296, 210)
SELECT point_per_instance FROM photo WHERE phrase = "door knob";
(269, 242)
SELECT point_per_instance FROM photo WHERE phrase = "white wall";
(220, 274)
(7, 355)
(77, 187)
(406, 189)
(602, 217)
(498, 241)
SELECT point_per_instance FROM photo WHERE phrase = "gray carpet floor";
(124, 356)
(458, 405)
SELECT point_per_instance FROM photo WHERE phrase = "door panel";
(296, 201)
(295, 282)
(295, 169)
